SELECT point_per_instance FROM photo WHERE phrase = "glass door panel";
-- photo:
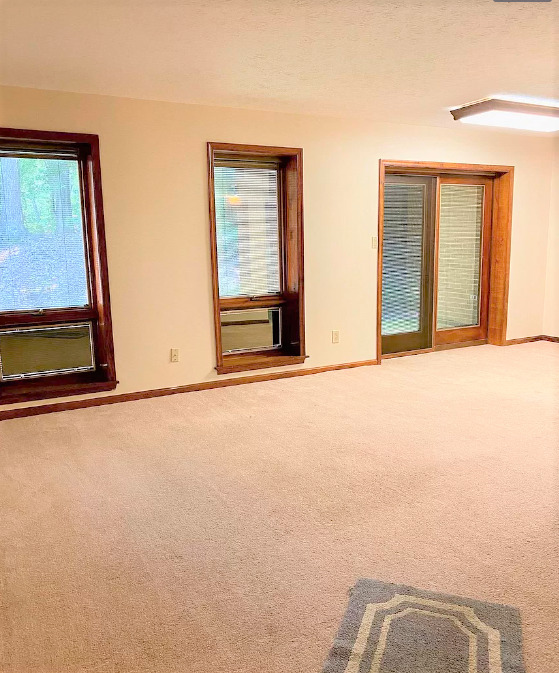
(462, 259)
(406, 263)
(461, 217)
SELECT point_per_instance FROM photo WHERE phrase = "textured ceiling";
(398, 60)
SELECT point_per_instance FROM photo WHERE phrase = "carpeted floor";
(219, 531)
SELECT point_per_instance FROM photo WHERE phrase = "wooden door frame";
(503, 179)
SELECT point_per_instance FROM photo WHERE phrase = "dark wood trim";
(380, 235)
(290, 167)
(241, 161)
(441, 168)
(490, 104)
(248, 361)
(440, 347)
(524, 340)
(503, 178)
(500, 257)
(47, 317)
(242, 151)
(48, 390)
(241, 303)
(476, 342)
(162, 392)
(85, 147)
(46, 137)
(213, 253)
(295, 253)
(437, 207)
(460, 344)
(105, 348)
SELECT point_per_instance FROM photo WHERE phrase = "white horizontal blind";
(247, 231)
(402, 257)
(460, 227)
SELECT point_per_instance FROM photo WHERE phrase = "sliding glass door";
(435, 261)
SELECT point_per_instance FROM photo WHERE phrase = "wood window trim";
(291, 300)
(99, 311)
(503, 180)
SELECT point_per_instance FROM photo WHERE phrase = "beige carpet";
(218, 532)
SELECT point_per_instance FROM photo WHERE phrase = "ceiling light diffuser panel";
(509, 114)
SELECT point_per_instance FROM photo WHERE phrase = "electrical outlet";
(335, 336)
(174, 354)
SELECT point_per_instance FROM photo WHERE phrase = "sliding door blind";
(461, 218)
(402, 257)
(247, 231)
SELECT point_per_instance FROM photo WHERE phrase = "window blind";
(404, 206)
(247, 230)
(461, 216)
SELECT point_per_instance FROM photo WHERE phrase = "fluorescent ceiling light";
(509, 114)
(513, 120)
(519, 98)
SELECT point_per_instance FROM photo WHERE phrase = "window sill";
(26, 391)
(247, 361)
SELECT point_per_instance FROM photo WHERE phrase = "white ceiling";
(399, 60)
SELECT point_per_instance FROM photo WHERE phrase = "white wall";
(154, 169)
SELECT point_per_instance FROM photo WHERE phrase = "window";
(256, 217)
(55, 323)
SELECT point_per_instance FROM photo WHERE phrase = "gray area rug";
(392, 628)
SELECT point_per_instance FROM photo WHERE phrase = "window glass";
(247, 231)
(402, 257)
(461, 220)
(42, 251)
